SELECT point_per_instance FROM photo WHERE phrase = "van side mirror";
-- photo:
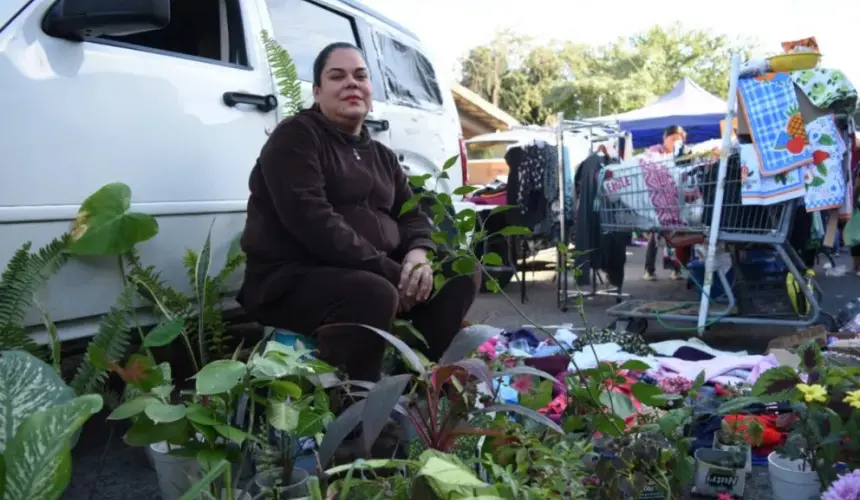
(77, 19)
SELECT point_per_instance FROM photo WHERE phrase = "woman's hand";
(416, 279)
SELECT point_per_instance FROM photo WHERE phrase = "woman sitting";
(324, 238)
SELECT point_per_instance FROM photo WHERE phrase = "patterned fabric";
(629, 342)
(537, 195)
(773, 116)
(826, 87)
(824, 178)
(759, 190)
(662, 189)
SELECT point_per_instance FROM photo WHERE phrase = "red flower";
(523, 384)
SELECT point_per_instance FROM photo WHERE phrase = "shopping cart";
(681, 199)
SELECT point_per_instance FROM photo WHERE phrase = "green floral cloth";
(826, 88)
(629, 342)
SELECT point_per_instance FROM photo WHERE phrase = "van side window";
(206, 29)
(304, 28)
(409, 75)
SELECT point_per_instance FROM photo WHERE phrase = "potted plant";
(821, 427)
(739, 434)
(41, 416)
(719, 471)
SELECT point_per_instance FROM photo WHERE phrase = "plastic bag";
(851, 233)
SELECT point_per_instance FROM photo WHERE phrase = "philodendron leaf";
(219, 377)
(467, 341)
(162, 413)
(27, 385)
(104, 226)
(38, 458)
(164, 333)
(131, 408)
(339, 429)
(379, 404)
(408, 353)
(526, 412)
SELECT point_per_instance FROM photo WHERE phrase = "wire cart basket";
(699, 196)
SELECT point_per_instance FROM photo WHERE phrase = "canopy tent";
(687, 105)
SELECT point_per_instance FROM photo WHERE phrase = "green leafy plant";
(285, 74)
(825, 399)
(202, 423)
(25, 273)
(198, 319)
(39, 417)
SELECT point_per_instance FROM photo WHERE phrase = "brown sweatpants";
(335, 295)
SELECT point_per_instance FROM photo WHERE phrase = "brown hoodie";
(324, 198)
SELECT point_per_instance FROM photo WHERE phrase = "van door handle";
(264, 103)
(380, 125)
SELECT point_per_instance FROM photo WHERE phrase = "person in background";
(325, 240)
(674, 143)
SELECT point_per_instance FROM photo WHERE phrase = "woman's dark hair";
(322, 58)
(674, 129)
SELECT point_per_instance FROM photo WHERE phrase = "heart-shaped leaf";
(161, 413)
(131, 408)
(104, 226)
(164, 333)
(219, 377)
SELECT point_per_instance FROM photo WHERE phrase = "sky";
(449, 28)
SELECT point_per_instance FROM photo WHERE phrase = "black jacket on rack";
(605, 251)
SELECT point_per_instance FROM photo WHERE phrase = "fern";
(23, 276)
(285, 74)
(176, 302)
(113, 337)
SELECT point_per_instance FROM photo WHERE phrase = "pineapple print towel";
(824, 178)
(759, 190)
(773, 117)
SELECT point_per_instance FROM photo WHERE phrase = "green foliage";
(25, 273)
(533, 81)
(111, 341)
(38, 420)
(285, 74)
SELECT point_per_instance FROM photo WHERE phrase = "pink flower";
(523, 384)
(488, 348)
(509, 362)
(725, 496)
(675, 385)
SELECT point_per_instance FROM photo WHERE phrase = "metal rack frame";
(564, 293)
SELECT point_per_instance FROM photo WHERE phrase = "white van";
(172, 97)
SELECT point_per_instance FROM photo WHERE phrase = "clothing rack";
(562, 275)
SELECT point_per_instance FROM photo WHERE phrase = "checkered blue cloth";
(767, 103)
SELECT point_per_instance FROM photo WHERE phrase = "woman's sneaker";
(675, 276)
(649, 277)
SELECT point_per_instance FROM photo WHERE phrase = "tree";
(533, 82)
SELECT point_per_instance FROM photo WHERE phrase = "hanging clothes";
(604, 251)
(533, 179)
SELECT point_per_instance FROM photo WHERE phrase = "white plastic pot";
(175, 474)
(298, 487)
(789, 480)
(713, 477)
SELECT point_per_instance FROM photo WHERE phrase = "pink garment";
(663, 192)
(762, 366)
(714, 369)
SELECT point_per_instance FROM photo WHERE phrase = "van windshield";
(487, 150)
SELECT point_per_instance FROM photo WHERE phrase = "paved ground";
(106, 469)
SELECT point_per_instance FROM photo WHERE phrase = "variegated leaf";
(27, 385)
(38, 458)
